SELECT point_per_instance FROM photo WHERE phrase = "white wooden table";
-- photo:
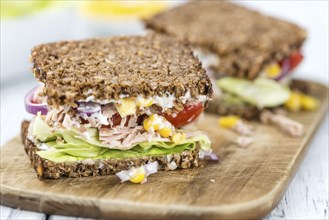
(307, 196)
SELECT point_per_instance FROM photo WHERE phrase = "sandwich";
(250, 56)
(114, 104)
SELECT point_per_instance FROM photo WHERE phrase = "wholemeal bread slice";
(111, 68)
(245, 40)
(217, 106)
(50, 170)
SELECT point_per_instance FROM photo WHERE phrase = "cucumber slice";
(260, 92)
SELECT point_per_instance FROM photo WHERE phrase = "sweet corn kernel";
(273, 70)
(165, 132)
(309, 103)
(138, 177)
(294, 102)
(40, 170)
(228, 121)
(126, 107)
(178, 137)
(151, 122)
(142, 102)
(147, 124)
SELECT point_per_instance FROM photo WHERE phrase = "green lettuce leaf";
(69, 145)
(41, 130)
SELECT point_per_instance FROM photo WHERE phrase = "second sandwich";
(250, 55)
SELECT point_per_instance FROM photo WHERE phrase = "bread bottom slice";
(216, 106)
(51, 170)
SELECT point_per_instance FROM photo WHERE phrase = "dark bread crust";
(130, 65)
(50, 170)
(216, 106)
(245, 40)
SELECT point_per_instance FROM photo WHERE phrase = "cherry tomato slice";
(187, 115)
(295, 59)
(116, 120)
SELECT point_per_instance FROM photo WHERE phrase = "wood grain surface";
(247, 183)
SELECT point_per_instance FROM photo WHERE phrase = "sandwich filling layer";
(126, 128)
(269, 90)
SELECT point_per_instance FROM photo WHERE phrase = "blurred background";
(25, 23)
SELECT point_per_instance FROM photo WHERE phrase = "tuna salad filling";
(125, 128)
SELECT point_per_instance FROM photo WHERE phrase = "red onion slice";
(285, 70)
(207, 155)
(34, 108)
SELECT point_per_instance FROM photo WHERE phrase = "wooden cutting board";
(246, 183)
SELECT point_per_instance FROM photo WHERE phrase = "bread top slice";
(245, 40)
(111, 68)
